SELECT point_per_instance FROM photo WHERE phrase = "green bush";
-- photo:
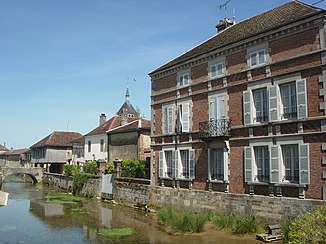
(133, 168)
(309, 227)
(80, 178)
(90, 167)
(181, 220)
(109, 168)
(70, 169)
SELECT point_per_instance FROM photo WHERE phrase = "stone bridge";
(36, 173)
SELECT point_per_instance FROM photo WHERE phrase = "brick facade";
(293, 52)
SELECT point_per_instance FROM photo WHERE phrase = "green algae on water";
(116, 232)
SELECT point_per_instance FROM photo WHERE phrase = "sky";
(64, 62)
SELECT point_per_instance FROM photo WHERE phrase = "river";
(28, 218)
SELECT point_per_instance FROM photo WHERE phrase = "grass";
(181, 220)
(63, 198)
(116, 232)
(240, 225)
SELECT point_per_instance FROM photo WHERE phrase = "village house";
(16, 158)
(244, 112)
(54, 151)
(130, 141)
(124, 136)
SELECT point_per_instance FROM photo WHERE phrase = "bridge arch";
(34, 179)
(36, 173)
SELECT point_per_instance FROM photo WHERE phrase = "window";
(274, 103)
(102, 145)
(216, 69)
(184, 79)
(217, 164)
(183, 117)
(89, 146)
(178, 164)
(290, 155)
(262, 163)
(257, 58)
(260, 105)
(168, 121)
(289, 100)
(287, 163)
(187, 164)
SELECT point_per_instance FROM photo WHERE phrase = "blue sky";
(64, 62)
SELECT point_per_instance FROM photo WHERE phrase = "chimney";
(102, 119)
(225, 23)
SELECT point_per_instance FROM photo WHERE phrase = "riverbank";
(129, 193)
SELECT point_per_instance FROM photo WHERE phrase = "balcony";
(214, 128)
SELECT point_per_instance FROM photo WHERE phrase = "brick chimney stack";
(102, 119)
(225, 23)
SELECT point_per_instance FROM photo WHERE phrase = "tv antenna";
(223, 6)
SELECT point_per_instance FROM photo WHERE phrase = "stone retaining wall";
(274, 209)
(91, 188)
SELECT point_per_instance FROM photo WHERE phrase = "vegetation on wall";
(80, 179)
(70, 169)
(90, 167)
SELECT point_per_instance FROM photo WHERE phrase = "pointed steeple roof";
(127, 107)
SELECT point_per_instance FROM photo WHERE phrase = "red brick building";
(244, 112)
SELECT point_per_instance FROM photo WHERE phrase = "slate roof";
(58, 139)
(129, 108)
(279, 16)
(113, 122)
(131, 126)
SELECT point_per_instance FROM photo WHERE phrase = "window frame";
(255, 55)
(220, 166)
(218, 72)
(181, 79)
(184, 116)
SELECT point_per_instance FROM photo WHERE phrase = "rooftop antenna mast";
(223, 6)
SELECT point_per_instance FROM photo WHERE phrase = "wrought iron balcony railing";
(214, 128)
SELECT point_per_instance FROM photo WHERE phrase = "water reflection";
(29, 218)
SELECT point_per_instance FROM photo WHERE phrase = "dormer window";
(184, 79)
(257, 58)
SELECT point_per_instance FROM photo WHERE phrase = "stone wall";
(274, 209)
(91, 188)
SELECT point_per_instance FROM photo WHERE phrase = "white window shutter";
(247, 107)
(248, 164)
(273, 104)
(221, 104)
(212, 109)
(170, 120)
(185, 117)
(209, 164)
(274, 164)
(226, 168)
(301, 98)
(160, 164)
(304, 165)
(164, 121)
(191, 164)
(174, 163)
